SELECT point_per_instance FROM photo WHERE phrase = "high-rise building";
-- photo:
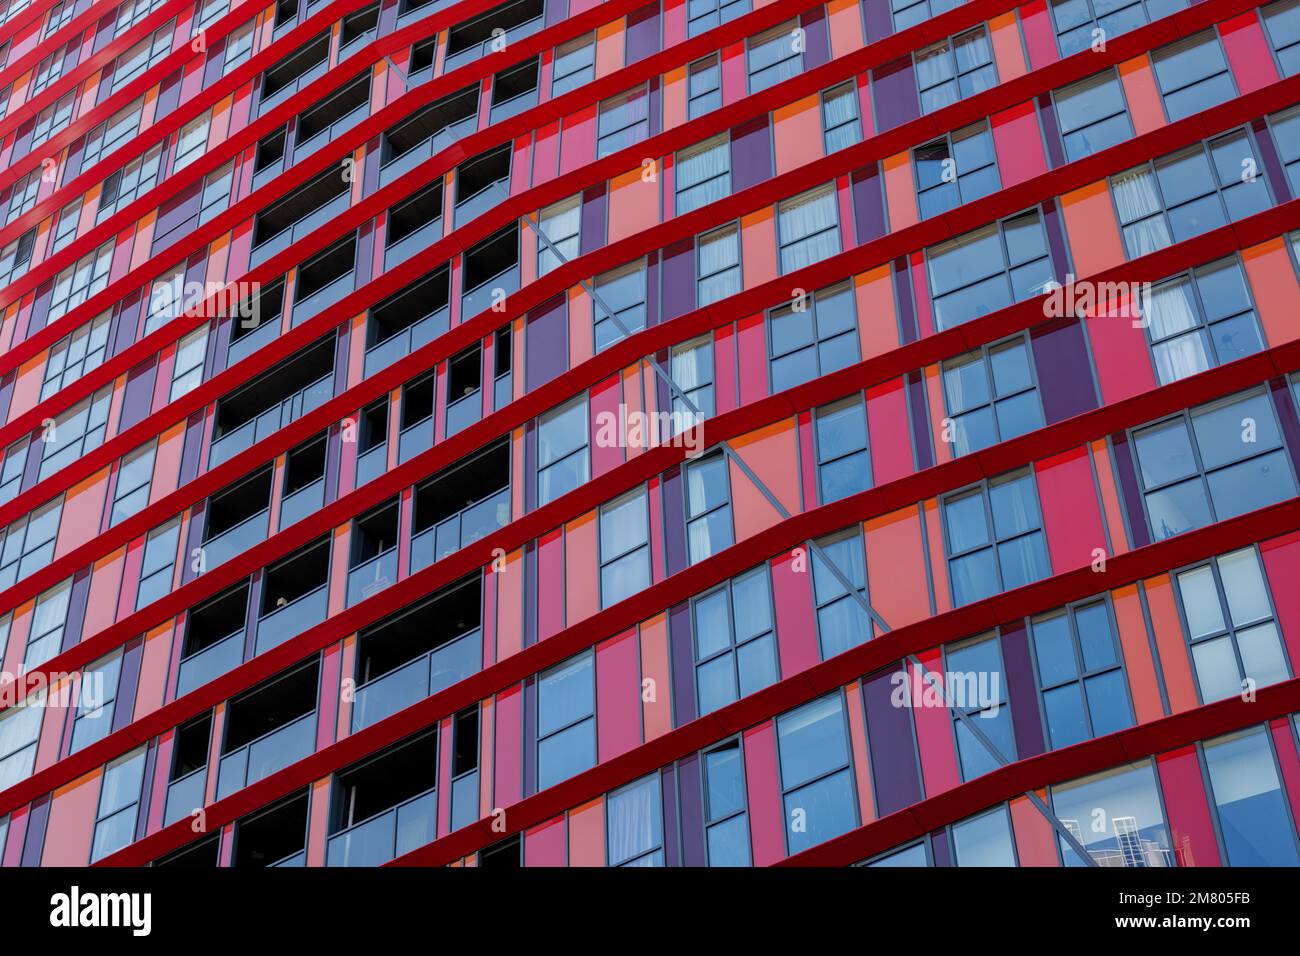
(564, 432)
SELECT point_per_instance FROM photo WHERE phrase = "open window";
(461, 504)
(214, 639)
(408, 319)
(237, 518)
(268, 728)
(464, 389)
(275, 836)
(386, 805)
(372, 563)
(295, 595)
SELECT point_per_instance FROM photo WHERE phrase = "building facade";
(559, 432)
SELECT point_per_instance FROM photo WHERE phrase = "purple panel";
(530, 737)
(654, 109)
(530, 466)
(546, 342)
(363, 260)
(333, 462)
(674, 520)
(1272, 165)
(174, 214)
(1022, 691)
(146, 790)
(751, 154)
(893, 750)
(556, 11)
(128, 678)
(817, 38)
(878, 21)
(682, 654)
(592, 230)
(1055, 239)
(692, 811)
(678, 278)
(923, 451)
(251, 613)
(1051, 131)
(40, 311)
(894, 92)
(642, 38)
(76, 609)
(530, 594)
(939, 847)
(907, 329)
(6, 394)
(868, 204)
(169, 95)
(672, 842)
(195, 540)
(126, 320)
(195, 426)
(1064, 371)
(652, 291)
(36, 821)
(1128, 487)
(1286, 413)
(138, 399)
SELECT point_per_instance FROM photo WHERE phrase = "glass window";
(134, 477)
(807, 339)
(1082, 23)
(23, 196)
(28, 543)
(96, 702)
(81, 280)
(1282, 25)
(575, 64)
(726, 819)
(704, 15)
(978, 689)
(914, 855)
(991, 396)
(65, 228)
(994, 538)
(191, 141)
(1116, 816)
(840, 439)
(956, 169)
(562, 450)
(955, 69)
(1080, 674)
(1212, 463)
(842, 622)
(622, 121)
(566, 720)
(138, 176)
(808, 228)
(622, 292)
(840, 121)
(735, 640)
(119, 800)
(1193, 75)
(719, 265)
(691, 368)
(816, 778)
(1092, 113)
(635, 824)
(20, 729)
(774, 56)
(708, 507)
(988, 269)
(1286, 134)
(11, 472)
(1253, 816)
(74, 356)
(908, 13)
(1230, 625)
(49, 616)
(624, 548)
(144, 54)
(75, 433)
(187, 372)
(703, 87)
(560, 224)
(984, 840)
(1200, 320)
(703, 173)
(158, 563)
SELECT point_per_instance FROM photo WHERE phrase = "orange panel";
(797, 130)
(633, 204)
(72, 822)
(896, 567)
(1138, 666)
(758, 247)
(674, 98)
(1273, 283)
(844, 21)
(83, 507)
(1109, 497)
(1174, 662)
(609, 48)
(1090, 224)
(656, 712)
(105, 582)
(318, 822)
(1144, 106)
(900, 191)
(877, 325)
(167, 461)
(1008, 52)
(768, 452)
(580, 565)
(587, 834)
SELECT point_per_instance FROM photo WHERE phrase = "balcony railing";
(414, 439)
(417, 679)
(314, 72)
(512, 36)
(388, 835)
(236, 540)
(516, 104)
(185, 795)
(292, 619)
(250, 342)
(262, 757)
(271, 421)
(310, 222)
(426, 149)
(307, 500)
(385, 353)
(372, 463)
(331, 132)
(464, 411)
(464, 800)
(323, 298)
(293, 859)
(502, 391)
(453, 533)
(210, 663)
(421, 238)
(474, 206)
(479, 298)
(372, 576)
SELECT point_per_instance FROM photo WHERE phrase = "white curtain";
(1169, 312)
(807, 229)
(841, 107)
(1139, 206)
(560, 224)
(719, 250)
(702, 163)
(934, 66)
(690, 365)
(634, 825)
(973, 50)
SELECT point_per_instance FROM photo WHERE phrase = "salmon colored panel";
(508, 757)
(1190, 828)
(544, 844)
(844, 21)
(1071, 516)
(1035, 839)
(1273, 284)
(758, 247)
(318, 822)
(71, 823)
(83, 506)
(934, 735)
(768, 452)
(550, 584)
(888, 433)
(674, 98)
(858, 743)
(1008, 53)
(797, 130)
(934, 398)
(1091, 228)
(635, 438)
(105, 582)
(580, 565)
(510, 599)
(1120, 354)
(517, 482)
(58, 700)
(1109, 497)
(1171, 646)
(1018, 143)
(167, 462)
(154, 667)
(1282, 566)
(1145, 107)
(19, 627)
(633, 204)
(609, 47)
(763, 789)
(896, 567)
(27, 387)
(338, 569)
(606, 425)
(900, 191)
(656, 698)
(618, 695)
(486, 763)
(938, 563)
(343, 724)
(796, 628)
(1248, 52)
(587, 834)
(877, 317)
(751, 348)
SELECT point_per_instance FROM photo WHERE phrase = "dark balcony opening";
(373, 534)
(465, 374)
(501, 353)
(464, 739)
(191, 749)
(279, 701)
(285, 10)
(515, 81)
(305, 465)
(433, 119)
(491, 257)
(381, 782)
(474, 32)
(204, 854)
(480, 173)
(416, 631)
(287, 71)
(326, 267)
(417, 401)
(326, 113)
(357, 25)
(406, 6)
(372, 427)
(235, 505)
(270, 150)
(423, 54)
(419, 300)
(414, 213)
(304, 200)
(462, 485)
(270, 835)
(216, 620)
(273, 387)
(506, 855)
(266, 306)
(290, 579)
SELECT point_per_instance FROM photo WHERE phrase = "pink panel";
(796, 630)
(546, 153)
(72, 823)
(1189, 811)
(618, 695)
(509, 753)
(1019, 144)
(1248, 52)
(724, 366)
(544, 845)
(763, 788)
(887, 431)
(1039, 38)
(605, 397)
(921, 294)
(1282, 566)
(753, 359)
(1284, 744)
(1071, 513)
(734, 80)
(550, 584)
(934, 731)
(578, 140)
(1120, 354)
